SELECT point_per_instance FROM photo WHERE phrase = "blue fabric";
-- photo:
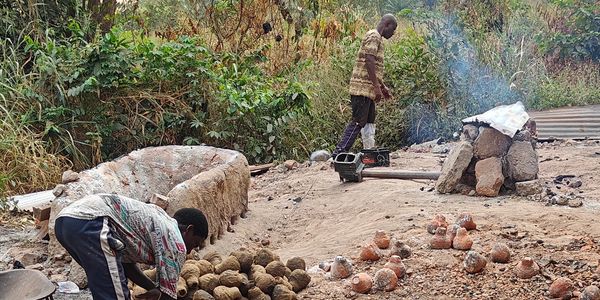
(83, 240)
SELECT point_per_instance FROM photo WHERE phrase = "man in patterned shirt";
(366, 86)
(108, 234)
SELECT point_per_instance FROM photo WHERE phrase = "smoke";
(472, 87)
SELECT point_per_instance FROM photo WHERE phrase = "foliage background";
(82, 82)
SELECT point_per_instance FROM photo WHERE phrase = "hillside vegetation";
(82, 82)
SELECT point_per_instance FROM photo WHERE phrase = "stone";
(490, 143)
(576, 183)
(522, 162)
(457, 161)
(489, 177)
(28, 258)
(561, 288)
(320, 155)
(77, 275)
(38, 267)
(474, 262)
(470, 132)
(560, 200)
(440, 149)
(575, 203)
(58, 278)
(58, 190)
(69, 176)
(212, 179)
(591, 292)
(528, 188)
(290, 164)
(160, 201)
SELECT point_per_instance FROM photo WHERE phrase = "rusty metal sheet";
(577, 123)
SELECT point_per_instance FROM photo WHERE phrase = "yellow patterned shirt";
(360, 84)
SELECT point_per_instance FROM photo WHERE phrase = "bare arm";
(133, 272)
(370, 63)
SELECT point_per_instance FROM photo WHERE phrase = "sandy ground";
(308, 212)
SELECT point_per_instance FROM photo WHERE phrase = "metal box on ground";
(379, 157)
(349, 166)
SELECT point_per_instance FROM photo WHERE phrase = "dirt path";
(333, 218)
(307, 212)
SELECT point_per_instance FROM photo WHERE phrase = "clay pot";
(561, 288)
(474, 262)
(465, 220)
(382, 239)
(462, 241)
(385, 280)
(341, 268)
(370, 252)
(500, 253)
(527, 268)
(401, 249)
(440, 240)
(438, 221)
(361, 283)
(395, 264)
(591, 292)
(452, 230)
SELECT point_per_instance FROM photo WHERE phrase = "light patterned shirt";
(149, 234)
(360, 84)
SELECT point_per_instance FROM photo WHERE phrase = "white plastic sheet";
(507, 119)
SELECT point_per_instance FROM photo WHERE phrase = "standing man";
(366, 86)
(108, 234)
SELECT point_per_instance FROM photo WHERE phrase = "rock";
(489, 176)
(58, 278)
(77, 275)
(490, 143)
(474, 262)
(441, 149)
(561, 288)
(522, 162)
(457, 161)
(38, 267)
(320, 155)
(500, 253)
(58, 190)
(527, 188)
(560, 200)
(290, 164)
(576, 183)
(470, 132)
(591, 292)
(575, 203)
(265, 242)
(527, 268)
(69, 176)
(523, 136)
(28, 258)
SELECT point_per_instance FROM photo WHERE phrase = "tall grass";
(26, 163)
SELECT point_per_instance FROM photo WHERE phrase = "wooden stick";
(396, 174)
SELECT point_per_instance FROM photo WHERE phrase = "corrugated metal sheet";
(568, 123)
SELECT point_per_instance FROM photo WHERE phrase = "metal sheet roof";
(568, 123)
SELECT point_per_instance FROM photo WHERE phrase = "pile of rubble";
(486, 161)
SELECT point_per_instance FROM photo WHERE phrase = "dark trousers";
(87, 241)
(363, 112)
